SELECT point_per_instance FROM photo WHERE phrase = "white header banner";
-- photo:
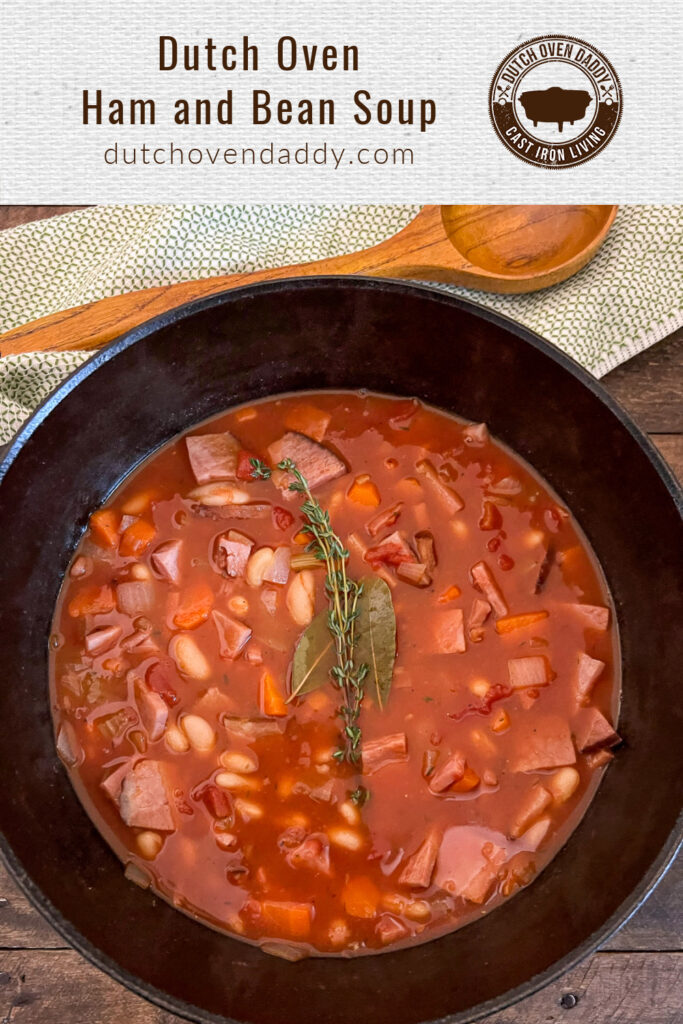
(365, 101)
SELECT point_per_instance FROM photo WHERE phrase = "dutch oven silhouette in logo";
(555, 101)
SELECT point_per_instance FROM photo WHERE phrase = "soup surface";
(339, 763)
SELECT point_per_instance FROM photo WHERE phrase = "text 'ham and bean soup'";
(335, 672)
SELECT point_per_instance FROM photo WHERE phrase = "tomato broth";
(199, 721)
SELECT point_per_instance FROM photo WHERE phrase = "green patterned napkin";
(629, 296)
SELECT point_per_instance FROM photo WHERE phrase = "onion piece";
(414, 573)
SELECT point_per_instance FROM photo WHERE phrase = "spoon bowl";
(526, 242)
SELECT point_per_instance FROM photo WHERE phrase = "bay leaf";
(376, 637)
(314, 656)
(375, 646)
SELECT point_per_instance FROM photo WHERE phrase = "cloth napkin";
(627, 298)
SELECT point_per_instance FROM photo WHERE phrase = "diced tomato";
(217, 801)
(194, 605)
(92, 601)
(245, 469)
(283, 519)
(483, 707)
(104, 527)
(506, 563)
(160, 677)
(136, 539)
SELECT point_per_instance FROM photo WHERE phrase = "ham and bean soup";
(335, 673)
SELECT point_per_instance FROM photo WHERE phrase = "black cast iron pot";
(341, 333)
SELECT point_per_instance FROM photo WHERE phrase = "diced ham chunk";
(112, 783)
(144, 799)
(383, 751)
(231, 553)
(526, 672)
(387, 517)
(392, 550)
(213, 456)
(278, 570)
(153, 712)
(233, 635)
(482, 577)
(545, 742)
(479, 613)
(589, 671)
(165, 560)
(593, 616)
(420, 866)
(450, 499)
(476, 434)
(390, 929)
(134, 597)
(318, 464)
(100, 640)
(450, 772)
(313, 853)
(449, 632)
(593, 731)
(478, 887)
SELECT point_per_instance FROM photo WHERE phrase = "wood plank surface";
(636, 979)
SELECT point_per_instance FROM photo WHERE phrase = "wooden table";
(637, 978)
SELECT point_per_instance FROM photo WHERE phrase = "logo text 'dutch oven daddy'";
(555, 101)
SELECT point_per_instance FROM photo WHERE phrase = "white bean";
(187, 655)
(563, 784)
(257, 565)
(238, 605)
(149, 844)
(176, 740)
(231, 780)
(301, 597)
(349, 813)
(241, 761)
(247, 809)
(346, 838)
(139, 571)
(198, 731)
(219, 493)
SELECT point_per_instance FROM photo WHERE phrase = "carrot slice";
(272, 701)
(501, 721)
(104, 526)
(450, 594)
(364, 492)
(92, 601)
(302, 538)
(509, 623)
(194, 606)
(287, 918)
(136, 539)
(308, 420)
(361, 897)
(470, 780)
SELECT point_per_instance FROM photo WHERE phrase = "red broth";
(171, 676)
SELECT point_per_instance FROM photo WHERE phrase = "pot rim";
(668, 852)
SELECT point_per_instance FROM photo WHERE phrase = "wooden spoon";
(492, 248)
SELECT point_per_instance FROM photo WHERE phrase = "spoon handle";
(415, 251)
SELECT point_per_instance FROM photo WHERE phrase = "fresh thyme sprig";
(259, 470)
(342, 595)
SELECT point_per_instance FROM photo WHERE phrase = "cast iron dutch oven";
(341, 333)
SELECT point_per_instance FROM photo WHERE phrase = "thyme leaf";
(259, 470)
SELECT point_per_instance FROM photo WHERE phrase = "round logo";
(555, 101)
